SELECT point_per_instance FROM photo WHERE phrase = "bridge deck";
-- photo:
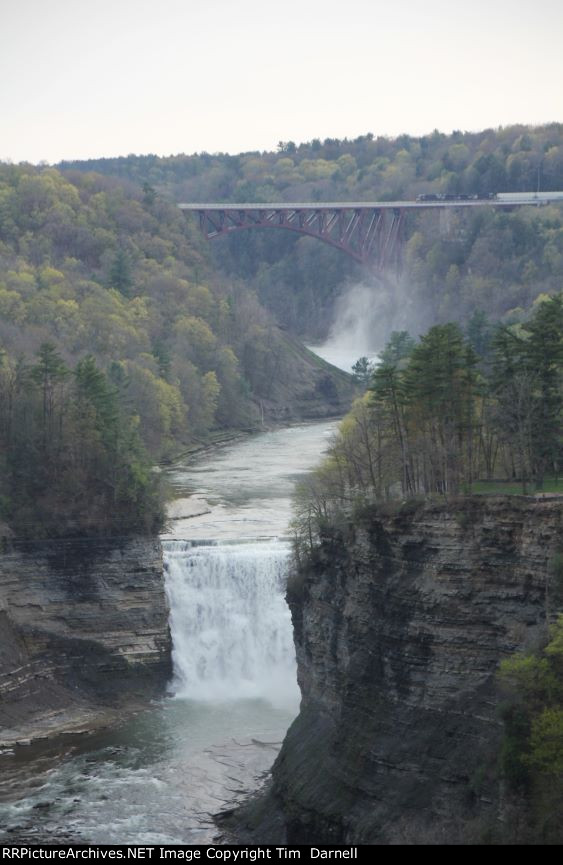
(503, 199)
(366, 230)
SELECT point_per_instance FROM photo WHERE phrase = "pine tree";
(543, 353)
(120, 273)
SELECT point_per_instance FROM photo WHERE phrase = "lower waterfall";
(158, 777)
(230, 626)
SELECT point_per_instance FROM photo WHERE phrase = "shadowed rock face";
(400, 624)
(83, 634)
(310, 388)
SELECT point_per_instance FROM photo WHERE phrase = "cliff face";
(400, 625)
(83, 633)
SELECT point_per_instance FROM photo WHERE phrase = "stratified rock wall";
(400, 624)
(83, 633)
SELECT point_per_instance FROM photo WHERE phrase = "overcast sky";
(88, 78)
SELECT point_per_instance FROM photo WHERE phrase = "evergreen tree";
(363, 371)
(543, 354)
(48, 373)
(120, 273)
(398, 348)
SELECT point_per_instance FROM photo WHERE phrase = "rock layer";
(83, 633)
(401, 622)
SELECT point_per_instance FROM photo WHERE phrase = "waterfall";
(230, 626)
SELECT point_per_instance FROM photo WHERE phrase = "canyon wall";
(83, 633)
(401, 621)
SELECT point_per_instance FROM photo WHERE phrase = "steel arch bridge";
(370, 232)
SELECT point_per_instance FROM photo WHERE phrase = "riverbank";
(161, 775)
(65, 603)
(317, 390)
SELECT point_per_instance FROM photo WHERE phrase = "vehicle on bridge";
(450, 196)
(368, 231)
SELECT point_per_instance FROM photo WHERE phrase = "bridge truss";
(365, 233)
(368, 231)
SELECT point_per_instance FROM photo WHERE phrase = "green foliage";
(112, 334)
(430, 406)
(73, 462)
(363, 371)
(554, 649)
(479, 333)
(93, 265)
(556, 576)
(532, 750)
(120, 273)
(489, 260)
(437, 417)
(399, 347)
(90, 267)
(515, 747)
(543, 354)
(504, 488)
(546, 743)
(527, 383)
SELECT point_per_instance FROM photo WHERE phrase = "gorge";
(146, 683)
(400, 622)
(161, 775)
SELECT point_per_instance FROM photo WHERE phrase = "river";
(161, 776)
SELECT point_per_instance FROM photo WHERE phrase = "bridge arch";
(370, 232)
(366, 233)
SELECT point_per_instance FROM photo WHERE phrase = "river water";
(159, 777)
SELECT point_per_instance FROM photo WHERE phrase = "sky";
(82, 79)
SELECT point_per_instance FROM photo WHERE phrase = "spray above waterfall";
(364, 316)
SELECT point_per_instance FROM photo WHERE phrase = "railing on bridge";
(368, 231)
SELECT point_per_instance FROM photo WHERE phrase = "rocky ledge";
(83, 634)
(400, 622)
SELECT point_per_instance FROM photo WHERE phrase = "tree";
(48, 373)
(479, 333)
(120, 273)
(440, 392)
(398, 348)
(527, 382)
(543, 353)
(363, 371)
(388, 388)
(532, 752)
(149, 194)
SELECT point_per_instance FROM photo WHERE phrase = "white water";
(226, 569)
(159, 777)
(230, 625)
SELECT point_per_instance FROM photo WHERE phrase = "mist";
(365, 315)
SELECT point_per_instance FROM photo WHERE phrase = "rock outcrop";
(83, 633)
(400, 622)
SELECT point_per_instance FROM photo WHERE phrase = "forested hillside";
(123, 333)
(445, 419)
(495, 261)
(452, 413)
(118, 343)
